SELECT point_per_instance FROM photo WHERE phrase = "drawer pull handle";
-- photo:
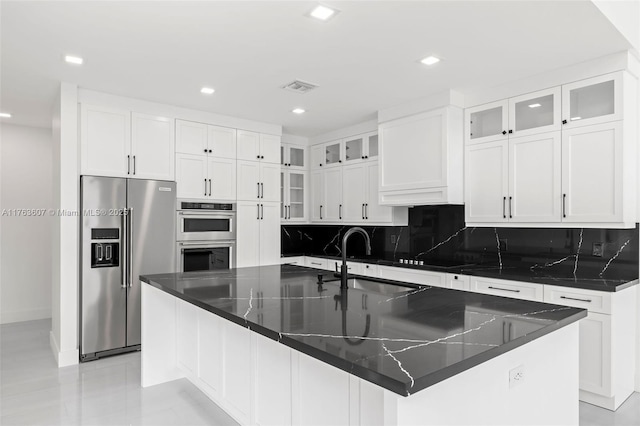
(316, 263)
(504, 289)
(576, 298)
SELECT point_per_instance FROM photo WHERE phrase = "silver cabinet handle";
(510, 211)
(128, 164)
(209, 187)
(134, 164)
(576, 299)
(504, 289)
(129, 245)
(258, 184)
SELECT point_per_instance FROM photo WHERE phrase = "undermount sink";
(372, 286)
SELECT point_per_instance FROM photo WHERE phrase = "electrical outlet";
(516, 376)
(597, 249)
(393, 239)
(503, 244)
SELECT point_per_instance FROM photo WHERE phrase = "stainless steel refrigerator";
(127, 230)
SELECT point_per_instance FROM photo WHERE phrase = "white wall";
(26, 159)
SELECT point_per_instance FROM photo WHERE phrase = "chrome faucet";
(344, 271)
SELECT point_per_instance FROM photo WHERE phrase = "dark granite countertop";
(403, 339)
(560, 275)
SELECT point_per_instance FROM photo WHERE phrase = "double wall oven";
(206, 236)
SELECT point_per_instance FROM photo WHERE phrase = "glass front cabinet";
(293, 188)
(592, 101)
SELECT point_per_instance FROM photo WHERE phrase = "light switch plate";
(597, 249)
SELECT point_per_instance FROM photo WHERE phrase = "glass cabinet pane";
(296, 157)
(533, 113)
(282, 154)
(486, 123)
(332, 153)
(296, 195)
(373, 146)
(354, 149)
(592, 101)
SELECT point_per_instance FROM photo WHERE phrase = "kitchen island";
(271, 346)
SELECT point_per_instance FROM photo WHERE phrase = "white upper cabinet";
(534, 113)
(333, 153)
(592, 101)
(317, 195)
(293, 187)
(119, 143)
(152, 147)
(421, 159)
(253, 146)
(221, 142)
(205, 178)
(572, 158)
(105, 138)
(258, 181)
(332, 206)
(293, 156)
(592, 172)
(487, 123)
(191, 138)
(354, 192)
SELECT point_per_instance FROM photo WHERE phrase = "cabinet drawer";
(369, 270)
(435, 279)
(352, 267)
(457, 281)
(593, 301)
(315, 262)
(293, 260)
(514, 289)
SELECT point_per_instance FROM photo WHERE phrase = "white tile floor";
(107, 392)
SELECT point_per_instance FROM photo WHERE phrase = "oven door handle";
(206, 243)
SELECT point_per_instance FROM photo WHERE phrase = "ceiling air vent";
(299, 86)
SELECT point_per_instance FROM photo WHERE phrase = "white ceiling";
(364, 59)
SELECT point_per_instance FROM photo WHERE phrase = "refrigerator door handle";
(129, 244)
(125, 254)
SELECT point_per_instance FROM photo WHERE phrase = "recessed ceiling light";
(76, 60)
(297, 111)
(430, 60)
(207, 90)
(534, 105)
(5, 115)
(322, 13)
(576, 118)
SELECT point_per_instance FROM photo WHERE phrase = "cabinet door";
(536, 112)
(332, 194)
(354, 192)
(592, 173)
(272, 365)
(354, 149)
(248, 179)
(191, 176)
(371, 152)
(297, 184)
(222, 141)
(457, 282)
(296, 156)
(248, 234)
(248, 145)
(187, 337)
(317, 196)
(152, 147)
(535, 178)
(270, 149)
(595, 353)
(236, 375)
(105, 138)
(270, 182)
(373, 211)
(222, 175)
(191, 138)
(486, 123)
(210, 365)
(270, 234)
(486, 182)
(333, 153)
(592, 101)
(413, 152)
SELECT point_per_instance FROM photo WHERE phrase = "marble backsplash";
(437, 234)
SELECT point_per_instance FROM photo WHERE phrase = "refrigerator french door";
(127, 230)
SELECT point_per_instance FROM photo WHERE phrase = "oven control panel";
(188, 205)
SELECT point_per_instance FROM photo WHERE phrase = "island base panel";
(288, 387)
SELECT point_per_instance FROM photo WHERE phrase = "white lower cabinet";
(507, 288)
(205, 178)
(257, 234)
(608, 355)
(210, 358)
(272, 383)
(316, 262)
(415, 276)
(457, 281)
(236, 372)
